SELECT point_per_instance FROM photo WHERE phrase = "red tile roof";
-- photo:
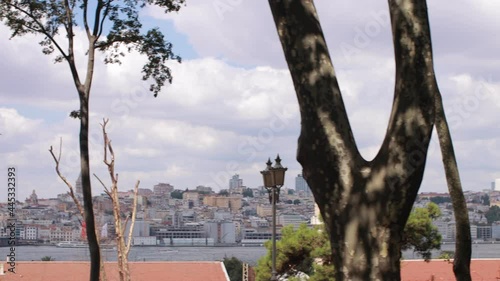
(140, 271)
(442, 270)
(411, 270)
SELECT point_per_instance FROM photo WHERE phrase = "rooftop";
(442, 270)
(140, 271)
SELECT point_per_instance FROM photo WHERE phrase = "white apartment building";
(257, 222)
(235, 182)
(44, 233)
(222, 232)
(31, 232)
(291, 219)
(495, 230)
(64, 233)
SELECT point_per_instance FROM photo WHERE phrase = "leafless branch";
(57, 160)
(134, 212)
(123, 247)
(106, 190)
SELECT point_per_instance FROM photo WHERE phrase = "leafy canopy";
(441, 199)
(493, 214)
(176, 194)
(420, 234)
(223, 192)
(308, 249)
(247, 192)
(234, 268)
(118, 20)
(296, 251)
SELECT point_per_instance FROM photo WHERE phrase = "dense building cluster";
(484, 214)
(238, 215)
(167, 216)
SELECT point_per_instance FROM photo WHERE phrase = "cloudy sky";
(232, 103)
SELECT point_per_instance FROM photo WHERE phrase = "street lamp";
(274, 178)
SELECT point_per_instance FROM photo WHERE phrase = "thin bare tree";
(122, 246)
(57, 160)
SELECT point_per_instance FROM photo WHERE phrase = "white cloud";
(13, 124)
(235, 106)
(175, 171)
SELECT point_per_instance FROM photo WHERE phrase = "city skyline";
(159, 188)
(232, 104)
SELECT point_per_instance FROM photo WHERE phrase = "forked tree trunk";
(122, 246)
(365, 204)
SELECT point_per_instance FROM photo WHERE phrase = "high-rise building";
(301, 185)
(79, 187)
(497, 185)
(235, 182)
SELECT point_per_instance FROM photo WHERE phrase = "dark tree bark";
(461, 262)
(88, 208)
(365, 204)
(95, 255)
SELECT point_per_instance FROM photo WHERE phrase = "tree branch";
(134, 212)
(105, 187)
(323, 114)
(97, 20)
(70, 58)
(40, 25)
(122, 247)
(85, 20)
(63, 178)
(461, 262)
(104, 17)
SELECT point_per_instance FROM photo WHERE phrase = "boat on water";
(70, 244)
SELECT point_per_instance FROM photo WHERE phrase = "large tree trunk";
(365, 204)
(461, 262)
(95, 256)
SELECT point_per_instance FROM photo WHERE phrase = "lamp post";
(274, 178)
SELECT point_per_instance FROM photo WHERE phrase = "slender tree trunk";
(102, 271)
(365, 204)
(461, 262)
(95, 256)
(120, 244)
(76, 201)
(122, 252)
(122, 247)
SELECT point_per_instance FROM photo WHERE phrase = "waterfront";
(483, 250)
(35, 253)
(247, 254)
